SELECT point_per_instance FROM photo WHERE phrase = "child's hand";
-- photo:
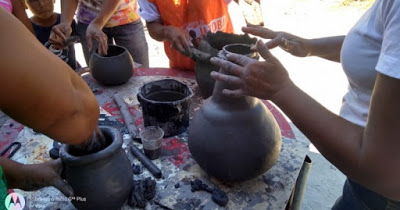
(59, 33)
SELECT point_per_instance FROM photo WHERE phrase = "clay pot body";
(104, 178)
(212, 43)
(165, 103)
(234, 139)
(113, 69)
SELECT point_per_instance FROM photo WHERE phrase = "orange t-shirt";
(199, 16)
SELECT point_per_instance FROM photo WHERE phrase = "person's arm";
(31, 177)
(369, 156)
(178, 38)
(94, 30)
(328, 47)
(41, 91)
(20, 14)
(68, 8)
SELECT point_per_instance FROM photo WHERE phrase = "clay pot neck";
(230, 102)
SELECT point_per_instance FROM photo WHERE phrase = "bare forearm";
(42, 91)
(12, 172)
(107, 9)
(68, 8)
(328, 48)
(19, 12)
(337, 139)
(157, 31)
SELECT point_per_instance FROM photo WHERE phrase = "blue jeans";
(130, 36)
(357, 197)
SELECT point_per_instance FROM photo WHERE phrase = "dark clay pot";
(165, 103)
(103, 178)
(234, 139)
(113, 69)
(212, 43)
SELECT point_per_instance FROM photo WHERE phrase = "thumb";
(63, 186)
(263, 50)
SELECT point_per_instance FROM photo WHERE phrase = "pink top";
(6, 4)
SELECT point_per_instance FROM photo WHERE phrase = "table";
(271, 190)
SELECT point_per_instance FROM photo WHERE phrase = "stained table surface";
(271, 190)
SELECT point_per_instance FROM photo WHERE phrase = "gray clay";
(103, 179)
(234, 139)
(113, 69)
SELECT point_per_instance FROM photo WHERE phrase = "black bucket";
(165, 103)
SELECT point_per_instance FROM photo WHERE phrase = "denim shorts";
(357, 197)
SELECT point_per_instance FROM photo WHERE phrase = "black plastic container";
(165, 103)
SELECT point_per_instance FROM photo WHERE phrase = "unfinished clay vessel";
(113, 69)
(212, 43)
(103, 179)
(234, 139)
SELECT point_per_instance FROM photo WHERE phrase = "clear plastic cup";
(151, 139)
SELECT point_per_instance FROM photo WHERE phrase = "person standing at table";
(40, 91)
(16, 7)
(363, 142)
(181, 25)
(102, 21)
(43, 20)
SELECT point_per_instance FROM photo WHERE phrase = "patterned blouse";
(126, 12)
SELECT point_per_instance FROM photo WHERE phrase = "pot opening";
(90, 148)
(242, 49)
(114, 51)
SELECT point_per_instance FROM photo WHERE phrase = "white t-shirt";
(149, 12)
(371, 46)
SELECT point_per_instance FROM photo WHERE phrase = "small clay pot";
(102, 179)
(113, 69)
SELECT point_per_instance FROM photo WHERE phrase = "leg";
(132, 37)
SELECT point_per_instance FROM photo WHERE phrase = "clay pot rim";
(191, 93)
(95, 53)
(238, 44)
(110, 150)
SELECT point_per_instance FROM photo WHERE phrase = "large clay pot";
(212, 43)
(101, 180)
(113, 69)
(234, 139)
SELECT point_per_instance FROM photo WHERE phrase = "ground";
(321, 79)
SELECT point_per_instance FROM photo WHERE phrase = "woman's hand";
(94, 31)
(292, 44)
(255, 78)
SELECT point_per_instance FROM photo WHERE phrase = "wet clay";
(212, 43)
(113, 69)
(142, 191)
(234, 139)
(152, 154)
(102, 178)
(217, 195)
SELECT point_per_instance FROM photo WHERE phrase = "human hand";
(179, 39)
(292, 44)
(36, 176)
(261, 79)
(94, 31)
(59, 33)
